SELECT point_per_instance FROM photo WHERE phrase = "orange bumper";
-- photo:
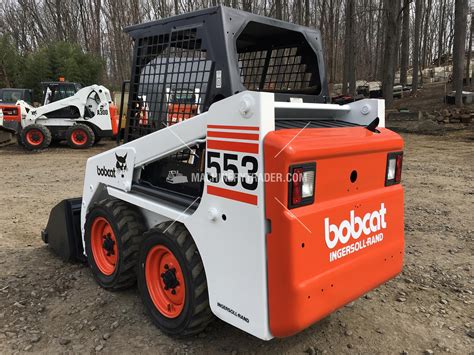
(311, 272)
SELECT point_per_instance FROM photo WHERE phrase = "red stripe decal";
(233, 146)
(242, 128)
(248, 136)
(232, 195)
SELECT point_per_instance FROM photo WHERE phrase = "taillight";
(394, 168)
(301, 185)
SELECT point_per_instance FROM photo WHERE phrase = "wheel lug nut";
(173, 292)
(166, 267)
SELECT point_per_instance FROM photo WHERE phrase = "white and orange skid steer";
(269, 209)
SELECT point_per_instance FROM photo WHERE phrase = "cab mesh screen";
(171, 74)
(277, 60)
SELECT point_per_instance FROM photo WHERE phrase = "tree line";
(376, 37)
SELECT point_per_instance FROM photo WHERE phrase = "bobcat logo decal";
(121, 164)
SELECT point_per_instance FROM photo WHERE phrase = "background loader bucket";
(8, 130)
(6, 136)
(63, 232)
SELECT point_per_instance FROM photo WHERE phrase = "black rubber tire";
(128, 226)
(196, 314)
(19, 139)
(43, 130)
(89, 134)
(97, 139)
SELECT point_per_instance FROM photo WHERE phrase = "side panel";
(229, 225)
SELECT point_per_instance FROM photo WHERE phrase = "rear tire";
(80, 136)
(19, 139)
(113, 232)
(172, 281)
(97, 139)
(35, 137)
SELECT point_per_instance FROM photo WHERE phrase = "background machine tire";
(35, 137)
(172, 281)
(80, 136)
(113, 232)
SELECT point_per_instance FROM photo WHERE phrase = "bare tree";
(460, 24)
(405, 51)
(416, 45)
(349, 49)
(355, 41)
(389, 50)
(425, 33)
(469, 51)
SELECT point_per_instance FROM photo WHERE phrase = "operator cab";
(58, 90)
(11, 95)
(183, 66)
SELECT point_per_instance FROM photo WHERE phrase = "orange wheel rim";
(79, 137)
(165, 281)
(104, 246)
(34, 137)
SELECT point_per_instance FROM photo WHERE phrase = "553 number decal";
(229, 169)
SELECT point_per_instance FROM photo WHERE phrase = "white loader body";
(229, 225)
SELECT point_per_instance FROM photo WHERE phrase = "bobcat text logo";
(369, 223)
(120, 166)
(106, 172)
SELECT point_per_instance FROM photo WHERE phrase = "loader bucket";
(63, 231)
(6, 136)
(7, 132)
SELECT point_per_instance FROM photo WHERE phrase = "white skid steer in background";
(82, 119)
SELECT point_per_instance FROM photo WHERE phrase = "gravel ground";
(50, 306)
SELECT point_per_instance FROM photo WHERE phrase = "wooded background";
(363, 39)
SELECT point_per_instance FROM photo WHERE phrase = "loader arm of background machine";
(91, 96)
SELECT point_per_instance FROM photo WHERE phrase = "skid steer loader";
(81, 118)
(271, 208)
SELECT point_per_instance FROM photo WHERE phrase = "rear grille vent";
(288, 124)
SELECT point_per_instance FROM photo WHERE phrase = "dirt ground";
(47, 305)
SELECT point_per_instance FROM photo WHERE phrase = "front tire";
(80, 136)
(113, 233)
(36, 137)
(172, 281)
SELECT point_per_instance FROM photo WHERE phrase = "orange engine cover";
(11, 112)
(348, 241)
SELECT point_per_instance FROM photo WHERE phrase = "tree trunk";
(425, 33)
(307, 14)
(299, 9)
(347, 46)
(441, 31)
(278, 10)
(416, 46)
(398, 13)
(469, 50)
(389, 51)
(352, 52)
(405, 42)
(460, 24)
